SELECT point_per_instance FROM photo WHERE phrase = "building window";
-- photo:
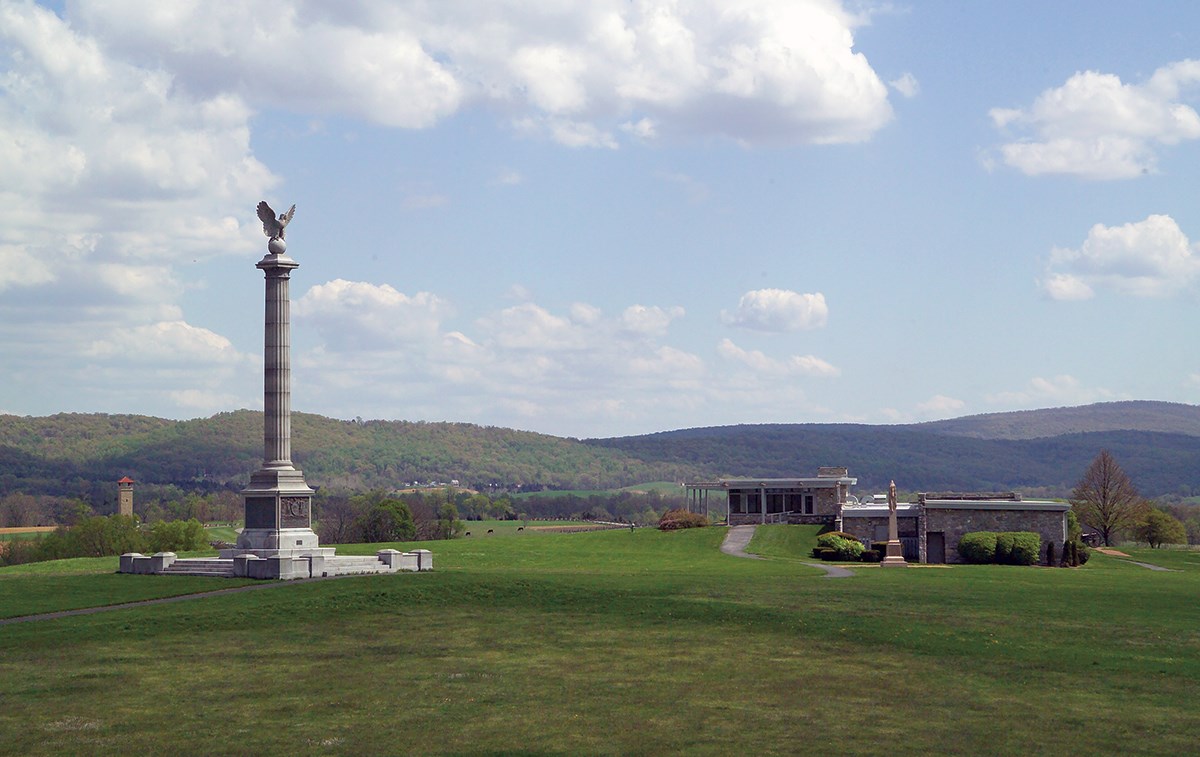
(735, 502)
(753, 502)
(809, 506)
(774, 502)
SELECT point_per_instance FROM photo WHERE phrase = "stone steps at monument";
(357, 563)
(200, 567)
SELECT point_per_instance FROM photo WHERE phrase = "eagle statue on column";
(273, 227)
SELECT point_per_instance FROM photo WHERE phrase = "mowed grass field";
(616, 642)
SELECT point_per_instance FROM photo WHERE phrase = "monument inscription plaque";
(294, 512)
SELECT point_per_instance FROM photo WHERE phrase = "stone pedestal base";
(278, 565)
(296, 540)
(894, 557)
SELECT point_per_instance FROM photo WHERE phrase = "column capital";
(276, 263)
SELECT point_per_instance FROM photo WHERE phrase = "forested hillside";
(81, 455)
(71, 454)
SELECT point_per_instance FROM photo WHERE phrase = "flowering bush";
(673, 520)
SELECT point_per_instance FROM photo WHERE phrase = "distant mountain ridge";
(1158, 444)
(1133, 415)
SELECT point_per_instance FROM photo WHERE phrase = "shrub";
(824, 539)
(871, 555)
(673, 520)
(1018, 548)
(844, 548)
(978, 547)
(880, 547)
(826, 553)
(176, 536)
(1004, 547)
(18, 552)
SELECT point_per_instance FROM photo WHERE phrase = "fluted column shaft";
(277, 363)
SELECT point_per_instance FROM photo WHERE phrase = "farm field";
(617, 642)
(28, 532)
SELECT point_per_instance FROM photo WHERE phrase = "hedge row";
(1004, 547)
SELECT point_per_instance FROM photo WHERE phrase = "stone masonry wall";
(826, 504)
(864, 528)
(1051, 526)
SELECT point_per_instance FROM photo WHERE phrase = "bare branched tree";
(1106, 499)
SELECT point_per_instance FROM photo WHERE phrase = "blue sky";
(602, 218)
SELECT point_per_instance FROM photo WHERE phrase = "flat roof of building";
(993, 504)
(815, 482)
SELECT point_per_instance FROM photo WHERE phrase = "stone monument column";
(278, 501)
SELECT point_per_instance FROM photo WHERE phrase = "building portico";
(816, 500)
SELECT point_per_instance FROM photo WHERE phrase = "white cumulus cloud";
(906, 85)
(940, 406)
(354, 314)
(654, 320)
(778, 310)
(580, 73)
(1055, 391)
(1096, 126)
(1150, 258)
(762, 364)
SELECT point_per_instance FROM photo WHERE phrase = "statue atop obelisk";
(278, 501)
(895, 550)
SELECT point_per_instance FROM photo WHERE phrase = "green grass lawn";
(618, 642)
(221, 533)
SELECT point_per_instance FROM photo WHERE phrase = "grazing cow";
(468, 533)
(520, 528)
(490, 531)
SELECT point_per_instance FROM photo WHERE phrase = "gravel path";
(739, 536)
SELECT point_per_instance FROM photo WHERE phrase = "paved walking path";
(736, 540)
(1151, 567)
(1119, 553)
(739, 536)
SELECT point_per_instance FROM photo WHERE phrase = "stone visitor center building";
(929, 528)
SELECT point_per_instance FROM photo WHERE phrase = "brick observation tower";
(125, 496)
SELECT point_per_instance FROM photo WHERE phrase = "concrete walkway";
(1118, 553)
(739, 536)
(736, 540)
(1151, 567)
